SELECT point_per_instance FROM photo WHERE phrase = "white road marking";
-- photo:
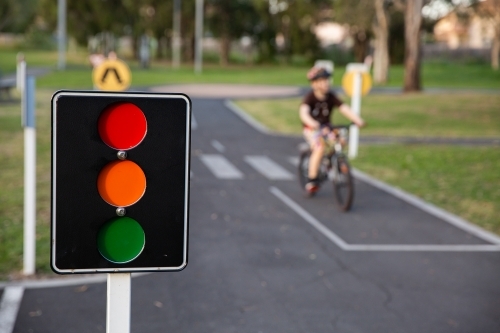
(221, 167)
(429, 208)
(378, 247)
(9, 306)
(218, 146)
(246, 117)
(268, 168)
(194, 124)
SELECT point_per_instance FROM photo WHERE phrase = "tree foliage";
(16, 15)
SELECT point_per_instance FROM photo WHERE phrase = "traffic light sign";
(120, 181)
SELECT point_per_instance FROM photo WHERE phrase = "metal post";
(118, 303)
(198, 63)
(20, 72)
(176, 38)
(356, 108)
(29, 176)
(61, 33)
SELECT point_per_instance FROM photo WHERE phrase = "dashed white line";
(268, 168)
(9, 306)
(221, 167)
(218, 146)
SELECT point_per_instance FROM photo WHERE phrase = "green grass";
(11, 187)
(440, 115)
(78, 74)
(462, 180)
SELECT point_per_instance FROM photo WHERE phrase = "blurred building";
(464, 30)
(329, 33)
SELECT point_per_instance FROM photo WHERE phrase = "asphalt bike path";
(263, 258)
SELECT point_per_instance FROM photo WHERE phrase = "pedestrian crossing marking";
(268, 168)
(221, 167)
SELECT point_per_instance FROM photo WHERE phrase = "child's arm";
(347, 112)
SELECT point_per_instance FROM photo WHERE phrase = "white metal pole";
(61, 33)
(356, 108)
(20, 72)
(176, 37)
(118, 304)
(199, 37)
(29, 178)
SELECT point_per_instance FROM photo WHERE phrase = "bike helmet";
(318, 73)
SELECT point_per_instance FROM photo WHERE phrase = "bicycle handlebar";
(346, 126)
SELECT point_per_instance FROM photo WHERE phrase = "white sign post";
(28, 110)
(355, 72)
(20, 73)
(118, 303)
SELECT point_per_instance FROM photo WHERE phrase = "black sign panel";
(120, 181)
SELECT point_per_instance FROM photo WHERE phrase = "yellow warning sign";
(112, 75)
(348, 83)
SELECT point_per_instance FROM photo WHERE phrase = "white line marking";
(377, 247)
(218, 146)
(194, 124)
(9, 306)
(248, 119)
(221, 167)
(429, 208)
(268, 168)
(309, 218)
(424, 247)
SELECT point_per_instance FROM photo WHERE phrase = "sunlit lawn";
(78, 73)
(439, 115)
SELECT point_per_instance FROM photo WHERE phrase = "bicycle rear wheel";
(343, 184)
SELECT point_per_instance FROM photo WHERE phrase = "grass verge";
(78, 73)
(11, 187)
(439, 115)
(462, 180)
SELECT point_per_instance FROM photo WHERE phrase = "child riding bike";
(315, 112)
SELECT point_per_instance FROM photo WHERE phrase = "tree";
(490, 10)
(413, 22)
(367, 17)
(381, 48)
(359, 15)
(228, 20)
(16, 15)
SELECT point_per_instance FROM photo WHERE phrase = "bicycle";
(334, 166)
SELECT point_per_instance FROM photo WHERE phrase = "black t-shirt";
(321, 110)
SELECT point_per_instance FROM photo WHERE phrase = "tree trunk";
(495, 48)
(413, 22)
(361, 44)
(224, 50)
(381, 52)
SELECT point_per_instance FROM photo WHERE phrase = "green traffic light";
(121, 240)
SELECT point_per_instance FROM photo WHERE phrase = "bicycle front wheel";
(303, 168)
(343, 184)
